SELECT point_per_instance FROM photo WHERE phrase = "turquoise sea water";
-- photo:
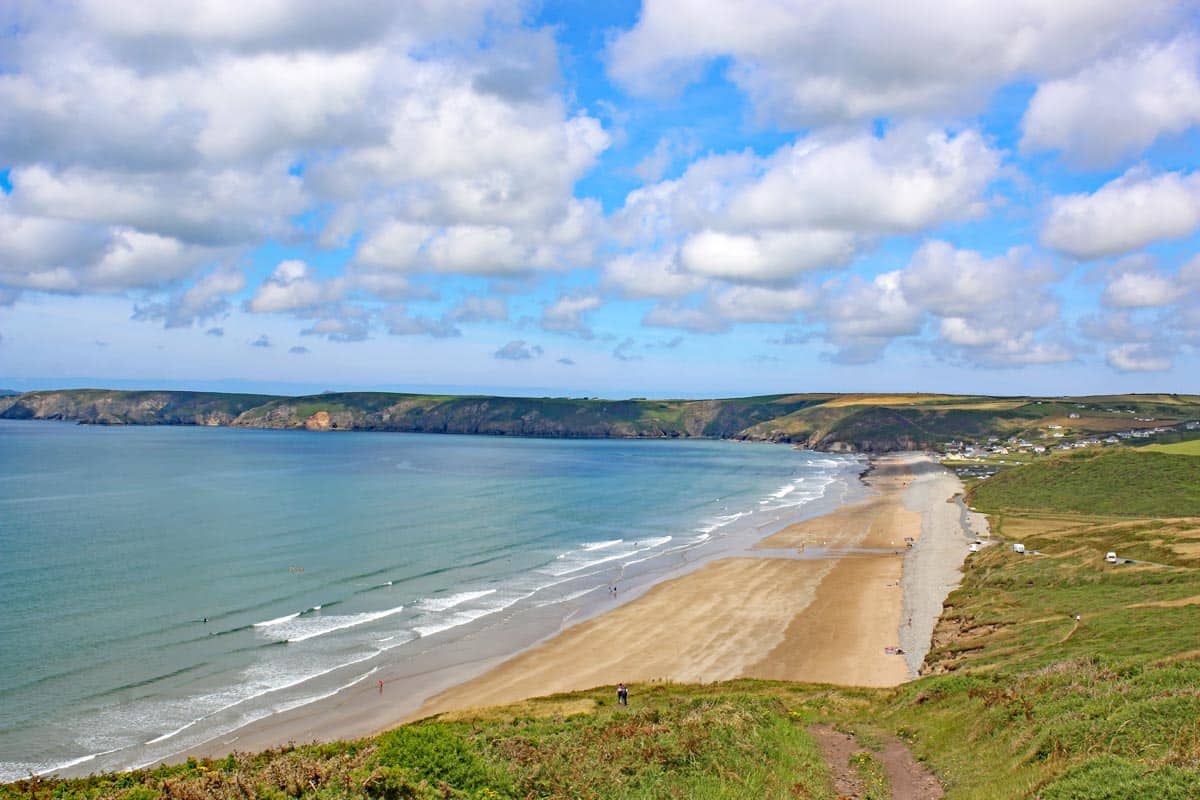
(161, 585)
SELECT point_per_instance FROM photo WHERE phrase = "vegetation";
(822, 421)
(1189, 447)
(1119, 482)
(689, 743)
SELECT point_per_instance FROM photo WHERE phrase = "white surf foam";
(452, 600)
(302, 628)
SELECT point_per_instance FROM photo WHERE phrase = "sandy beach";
(821, 600)
(818, 601)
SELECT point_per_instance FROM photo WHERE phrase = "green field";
(1055, 676)
(1188, 448)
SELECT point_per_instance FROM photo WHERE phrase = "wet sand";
(821, 603)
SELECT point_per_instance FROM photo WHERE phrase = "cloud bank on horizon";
(679, 195)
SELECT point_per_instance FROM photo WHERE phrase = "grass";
(691, 743)
(1118, 482)
(1185, 448)
(874, 777)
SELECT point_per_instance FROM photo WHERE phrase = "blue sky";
(660, 198)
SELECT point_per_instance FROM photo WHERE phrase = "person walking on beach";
(381, 687)
(622, 694)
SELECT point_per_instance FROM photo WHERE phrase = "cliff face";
(100, 407)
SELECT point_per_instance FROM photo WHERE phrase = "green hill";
(853, 422)
(1120, 482)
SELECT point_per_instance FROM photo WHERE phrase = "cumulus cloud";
(567, 362)
(650, 274)
(518, 350)
(145, 146)
(218, 332)
(811, 205)
(989, 311)
(299, 350)
(1119, 106)
(1141, 289)
(207, 298)
(261, 341)
(1124, 215)
(803, 65)
(566, 314)
(1138, 357)
(293, 286)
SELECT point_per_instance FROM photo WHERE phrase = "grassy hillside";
(1121, 482)
(1190, 447)
(872, 423)
(1054, 676)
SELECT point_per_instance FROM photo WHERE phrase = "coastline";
(839, 578)
(819, 601)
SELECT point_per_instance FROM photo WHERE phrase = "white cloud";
(908, 179)
(207, 298)
(652, 274)
(434, 135)
(293, 286)
(767, 256)
(1138, 357)
(988, 311)
(722, 308)
(1117, 107)
(805, 65)
(866, 316)
(1141, 290)
(566, 314)
(1124, 214)
(811, 205)
(758, 304)
(518, 351)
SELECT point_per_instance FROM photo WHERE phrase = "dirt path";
(908, 779)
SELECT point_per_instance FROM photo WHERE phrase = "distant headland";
(868, 423)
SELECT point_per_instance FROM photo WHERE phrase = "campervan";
(1018, 548)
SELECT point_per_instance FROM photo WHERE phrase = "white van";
(1110, 557)
(1018, 548)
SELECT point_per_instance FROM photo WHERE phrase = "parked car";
(1110, 557)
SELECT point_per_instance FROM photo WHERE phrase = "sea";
(162, 586)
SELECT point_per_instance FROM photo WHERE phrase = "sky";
(660, 198)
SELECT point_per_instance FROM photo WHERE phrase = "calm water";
(162, 585)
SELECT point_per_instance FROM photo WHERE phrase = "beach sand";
(821, 603)
(818, 601)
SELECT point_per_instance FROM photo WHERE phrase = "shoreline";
(838, 576)
(820, 601)
(358, 709)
